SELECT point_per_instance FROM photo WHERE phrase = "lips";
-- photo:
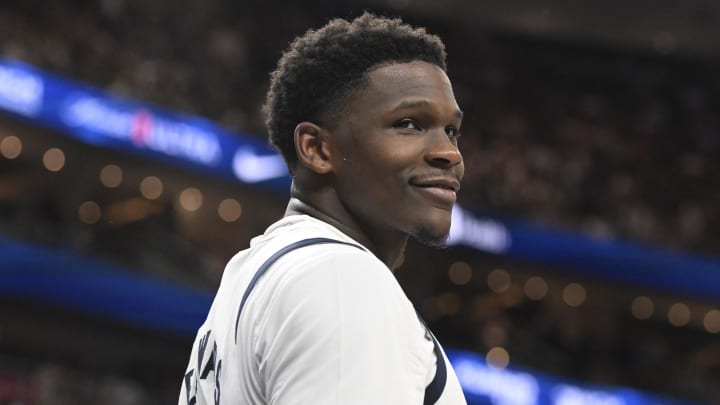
(441, 190)
(445, 183)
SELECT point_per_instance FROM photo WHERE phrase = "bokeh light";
(679, 314)
(111, 176)
(229, 210)
(497, 357)
(642, 307)
(151, 187)
(54, 159)
(536, 288)
(460, 273)
(574, 294)
(89, 212)
(191, 199)
(10, 147)
(498, 280)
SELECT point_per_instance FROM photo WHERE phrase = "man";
(366, 119)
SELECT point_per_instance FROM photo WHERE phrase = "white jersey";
(327, 324)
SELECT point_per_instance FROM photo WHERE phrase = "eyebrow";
(406, 105)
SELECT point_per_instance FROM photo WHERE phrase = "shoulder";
(330, 265)
(330, 280)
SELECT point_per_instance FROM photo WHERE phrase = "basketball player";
(365, 117)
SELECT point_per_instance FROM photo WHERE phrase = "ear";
(312, 145)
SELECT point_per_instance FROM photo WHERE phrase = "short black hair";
(322, 68)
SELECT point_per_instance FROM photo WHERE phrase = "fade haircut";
(323, 68)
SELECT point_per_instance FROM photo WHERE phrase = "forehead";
(391, 84)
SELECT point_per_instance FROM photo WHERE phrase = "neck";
(386, 246)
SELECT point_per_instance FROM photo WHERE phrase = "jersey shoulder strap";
(269, 262)
(432, 392)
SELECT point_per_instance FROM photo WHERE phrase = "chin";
(433, 236)
(432, 228)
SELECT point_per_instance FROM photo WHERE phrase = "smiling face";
(397, 166)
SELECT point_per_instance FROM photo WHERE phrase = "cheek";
(398, 154)
(383, 165)
(384, 159)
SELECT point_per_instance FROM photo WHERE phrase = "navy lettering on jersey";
(202, 345)
(210, 366)
(213, 363)
(218, 366)
(189, 391)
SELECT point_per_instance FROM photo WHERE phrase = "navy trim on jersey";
(432, 392)
(436, 387)
(269, 262)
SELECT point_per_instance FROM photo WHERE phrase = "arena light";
(536, 288)
(251, 167)
(498, 280)
(111, 176)
(89, 212)
(711, 321)
(679, 314)
(151, 187)
(21, 90)
(54, 159)
(501, 386)
(11, 147)
(572, 395)
(574, 294)
(460, 273)
(191, 199)
(483, 234)
(498, 357)
(229, 210)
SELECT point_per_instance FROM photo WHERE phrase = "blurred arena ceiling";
(665, 26)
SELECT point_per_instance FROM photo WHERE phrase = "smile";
(440, 193)
(447, 183)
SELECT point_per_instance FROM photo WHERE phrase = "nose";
(442, 152)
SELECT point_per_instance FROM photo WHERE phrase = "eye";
(452, 132)
(407, 123)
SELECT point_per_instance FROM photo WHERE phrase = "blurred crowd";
(50, 383)
(613, 143)
(610, 142)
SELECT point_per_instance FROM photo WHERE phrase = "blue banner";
(102, 119)
(600, 258)
(61, 279)
(487, 385)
